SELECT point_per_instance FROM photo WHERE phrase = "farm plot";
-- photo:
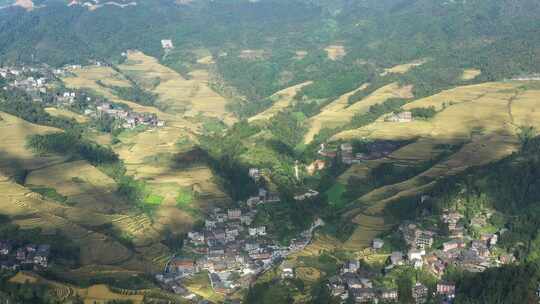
(470, 74)
(403, 68)
(335, 51)
(66, 114)
(93, 294)
(339, 112)
(189, 97)
(14, 156)
(282, 100)
(484, 118)
(82, 184)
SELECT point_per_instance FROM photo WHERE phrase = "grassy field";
(339, 112)
(282, 100)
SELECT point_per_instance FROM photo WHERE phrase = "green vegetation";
(153, 199)
(50, 193)
(288, 218)
(508, 284)
(269, 293)
(72, 143)
(185, 198)
(20, 104)
(243, 109)
(134, 191)
(335, 195)
(211, 125)
(423, 113)
(509, 189)
(24, 293)
(68, 143)
(133, 93)
(288, 128)
(224, 152)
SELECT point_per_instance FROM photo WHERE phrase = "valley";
(269, 152)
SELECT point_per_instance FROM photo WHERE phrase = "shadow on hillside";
(401, 200)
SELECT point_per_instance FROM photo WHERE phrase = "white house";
(378, 244)
(287, 271)
(167, 44)
(415, 254)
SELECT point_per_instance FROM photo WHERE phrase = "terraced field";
(483, 118)
(67, 114)
(470, 74)
(403, 68)
(30, 210)
(92, 193)
(339, 112)
(178, 95)
(82, 184)
(149, 155)
(89, 77)
(14, 156)
(282, 99)
(91, 295)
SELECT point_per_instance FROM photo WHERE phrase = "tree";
(288, 128)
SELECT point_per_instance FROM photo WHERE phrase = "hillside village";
(41, 85)
(427, 250)
(232, 249)
(432, 245)
(268, 152)
(14, 256)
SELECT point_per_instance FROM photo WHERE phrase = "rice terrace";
(269, 152)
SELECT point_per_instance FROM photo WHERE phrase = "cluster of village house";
(128, 118)
(26, 79)
(404, 116)
(345, 153)
(231, 249)
(356, 284)
(39, 89)
(24, 257)
(93, 4)
(460, 250)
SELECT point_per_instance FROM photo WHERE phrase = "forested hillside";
(453, 34)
